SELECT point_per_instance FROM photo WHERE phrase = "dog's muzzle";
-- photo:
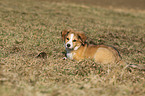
(69, 46)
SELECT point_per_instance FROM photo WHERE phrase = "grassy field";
(129, 4)
(28, 27)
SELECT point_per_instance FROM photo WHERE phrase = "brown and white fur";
(77, 49)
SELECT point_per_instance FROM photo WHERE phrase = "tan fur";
(100, 53)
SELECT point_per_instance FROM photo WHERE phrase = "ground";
(129, 4)
(29, 27)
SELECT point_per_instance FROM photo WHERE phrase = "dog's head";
(72, 39)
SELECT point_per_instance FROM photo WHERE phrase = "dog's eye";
(67, 38)
(74, 40)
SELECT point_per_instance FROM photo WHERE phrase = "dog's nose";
(68, 45)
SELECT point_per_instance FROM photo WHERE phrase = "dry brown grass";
(121, 4)
(30, 27)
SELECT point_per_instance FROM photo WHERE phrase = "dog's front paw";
(64, 58)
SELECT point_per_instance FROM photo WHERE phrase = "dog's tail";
(134, 66)
(137, 66)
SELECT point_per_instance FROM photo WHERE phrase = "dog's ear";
(82, 37)
(63, 33)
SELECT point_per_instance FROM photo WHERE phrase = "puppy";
(77, 48)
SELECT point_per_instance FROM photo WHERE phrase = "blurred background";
(129, 4)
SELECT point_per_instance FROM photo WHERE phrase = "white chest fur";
(70, 55)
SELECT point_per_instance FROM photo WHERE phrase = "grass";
(28, 27)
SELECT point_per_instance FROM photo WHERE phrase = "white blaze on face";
(69, 44)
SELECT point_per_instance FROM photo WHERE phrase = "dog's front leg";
(64, 58)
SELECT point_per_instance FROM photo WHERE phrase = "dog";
(78, 49)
